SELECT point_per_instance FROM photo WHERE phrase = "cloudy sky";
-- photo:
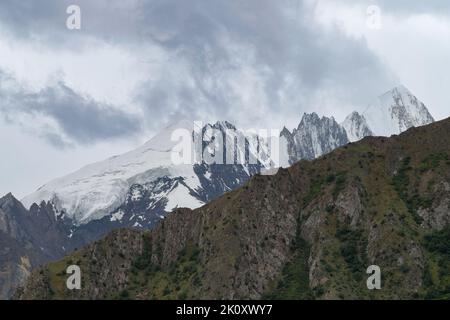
(71, 97)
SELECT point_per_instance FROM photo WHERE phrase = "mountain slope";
(307, 232)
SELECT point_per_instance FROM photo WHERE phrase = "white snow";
(284, 153)
(179, 197)
(136, 195)
(99, 188)
(117, 216)
(356, 127)
(391, 113)
(396, 111)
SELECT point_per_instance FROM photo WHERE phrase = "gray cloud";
(441, 7)
(215, 49)
(285, 45)
(80, 118)
(252, 61)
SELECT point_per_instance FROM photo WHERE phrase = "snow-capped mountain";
(313, 137)
(141, 186)
(356, 127)
(97, 189)
(391, 113)
(138, 188)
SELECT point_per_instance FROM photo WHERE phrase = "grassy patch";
(353, 250)
(314, 191)
(401, 184)
(57, 276)
(433, 161)
(437, 272)
(183, 276)
(294, 281)
(340, 184)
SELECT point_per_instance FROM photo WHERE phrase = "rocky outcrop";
(313, 137)
(356, 127)
(22, 235)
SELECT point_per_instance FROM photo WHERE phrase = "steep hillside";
(28, 239)
(309, 231)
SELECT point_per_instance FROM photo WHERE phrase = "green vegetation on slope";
(401, 183)
(433, 161)
(437, 272)
(293, 283)
(353, 246)
(177, 281)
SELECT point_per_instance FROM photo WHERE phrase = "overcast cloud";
(136, 66)
(78, 119)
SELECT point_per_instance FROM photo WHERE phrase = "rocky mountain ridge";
(140, 188)
(309, 231)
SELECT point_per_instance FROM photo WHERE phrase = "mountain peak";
(400, 89)
(393, 112)
(356, 126)
(226, 124)
(9, 202)
(313, 116)
(162, 141)
(9, 197)
(97, 190)
(313, 137)
(222, 125)
(285, 132)
(310, 116)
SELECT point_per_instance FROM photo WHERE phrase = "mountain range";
(108, 187)
(141, 187)
(307, 232)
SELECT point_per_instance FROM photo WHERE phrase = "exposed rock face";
(313, 137)
(436, 215)
(406, 109)
(356, 127)
(113, 255)
(309, 231)
(28, 239)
